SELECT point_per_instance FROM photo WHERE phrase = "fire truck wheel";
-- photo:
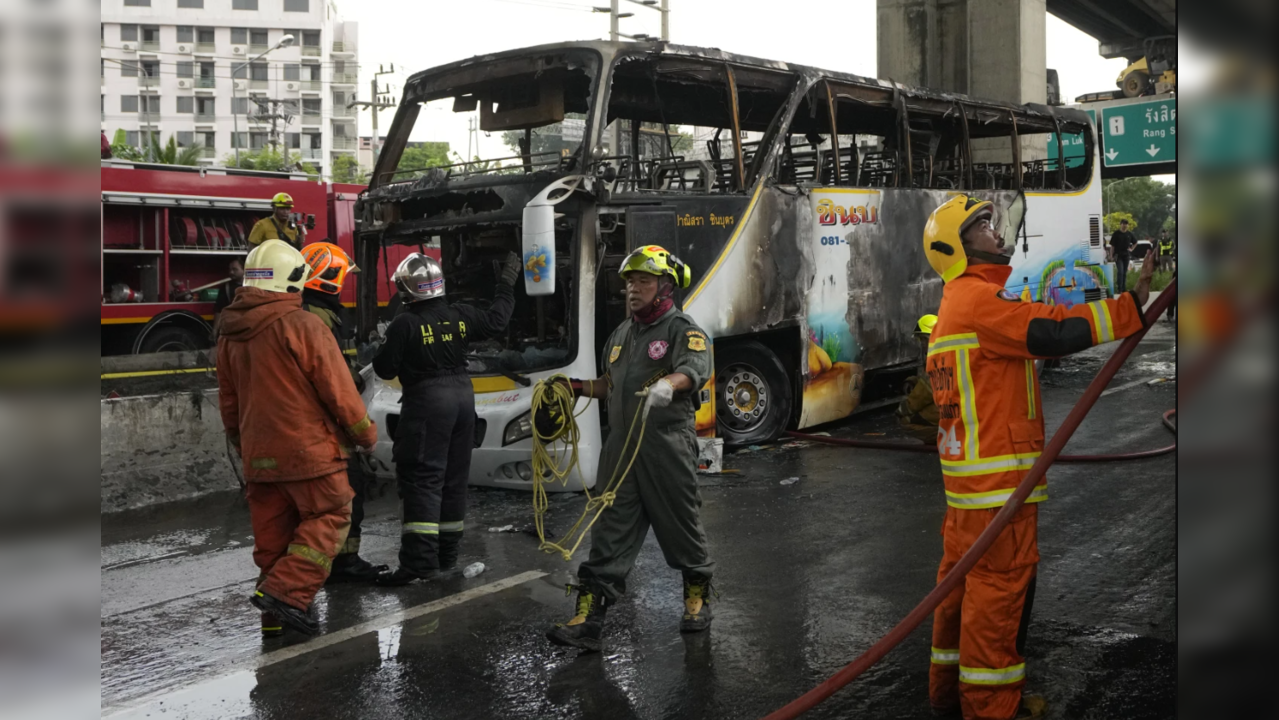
(173, 338)
(752, 394)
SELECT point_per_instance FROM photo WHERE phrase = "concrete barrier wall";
(161, 448)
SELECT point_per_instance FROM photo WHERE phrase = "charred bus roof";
(881, 100)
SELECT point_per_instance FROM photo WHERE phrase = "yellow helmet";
(942, 244)
(654, 260)
(926, 324)
(282, 200)
(276, 266)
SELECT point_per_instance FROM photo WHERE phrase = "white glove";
(658, 395)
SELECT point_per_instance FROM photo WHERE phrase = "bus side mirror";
(538, 236)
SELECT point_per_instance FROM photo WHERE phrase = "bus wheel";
(752, 392)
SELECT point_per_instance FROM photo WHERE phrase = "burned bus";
(798, 197)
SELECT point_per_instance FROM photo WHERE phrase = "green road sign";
(1074, 146)
(1141, 133)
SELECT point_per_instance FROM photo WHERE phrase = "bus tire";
(752, 394)
(173, 338)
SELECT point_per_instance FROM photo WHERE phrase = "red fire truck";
(169, 233)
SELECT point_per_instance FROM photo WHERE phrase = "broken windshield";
(513, 115)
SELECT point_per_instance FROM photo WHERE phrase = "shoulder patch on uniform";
(657, 349)
(1006, 295)
(615, 353)
(698, 333)
(696, 343)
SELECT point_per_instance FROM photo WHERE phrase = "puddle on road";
(161, 546)
(225, 697)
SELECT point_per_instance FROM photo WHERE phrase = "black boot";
(449, 542)
(586, 629)
(401, 577)
(350, 567)
(271, 625)
(697, 605)
(299, 620)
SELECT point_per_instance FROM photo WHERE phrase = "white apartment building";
(181, 68)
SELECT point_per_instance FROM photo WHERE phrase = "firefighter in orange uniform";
(289, 405)
(981, 366)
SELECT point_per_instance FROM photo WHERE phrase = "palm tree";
(170, 154)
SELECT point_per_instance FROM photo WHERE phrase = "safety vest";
(981, 366)
(1165, 247)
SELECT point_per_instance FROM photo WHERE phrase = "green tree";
(122, 150)
(347, 170)
(170, 154)
(1112, 222)
(1148, 201)
(271, 159)
(420, 156)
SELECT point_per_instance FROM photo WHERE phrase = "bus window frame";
(727, 71)
(1012, 120)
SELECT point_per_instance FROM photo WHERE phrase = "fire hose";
(1051, 453)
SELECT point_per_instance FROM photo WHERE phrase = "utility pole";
(615, 34)
(275, 112)
(377, 101)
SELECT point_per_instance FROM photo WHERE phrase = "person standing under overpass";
(1121, 243)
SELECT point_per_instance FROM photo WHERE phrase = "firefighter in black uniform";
(426, 348)
(330, 265)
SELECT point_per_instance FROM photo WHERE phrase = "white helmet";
(276, 266)
(419, 277)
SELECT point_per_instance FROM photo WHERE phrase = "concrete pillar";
(924, 43)
(990, 49)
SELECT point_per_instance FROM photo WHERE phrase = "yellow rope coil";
(550, 463)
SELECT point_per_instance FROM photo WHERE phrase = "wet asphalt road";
(811, 573)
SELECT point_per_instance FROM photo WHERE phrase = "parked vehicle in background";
(169, 232)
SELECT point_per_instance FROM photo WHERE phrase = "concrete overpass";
(1120, 26)
(996, 48)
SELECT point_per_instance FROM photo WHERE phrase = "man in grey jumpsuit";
(657, 358)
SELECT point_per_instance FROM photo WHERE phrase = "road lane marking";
(321, 642)
(396, 618)
(1125, 386)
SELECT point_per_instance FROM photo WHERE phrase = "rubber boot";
(449, 542)
(271, 625)
(586, 629)
(1032, 706)
(401, 577)
(299, 620)
(697, 605)
(350, 567)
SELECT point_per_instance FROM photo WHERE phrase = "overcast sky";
(420, 34)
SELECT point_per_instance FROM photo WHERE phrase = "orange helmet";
(329, 267)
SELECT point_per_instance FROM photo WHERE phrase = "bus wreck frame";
(754, 210)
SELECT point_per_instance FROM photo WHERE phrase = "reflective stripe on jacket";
(981, 367)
